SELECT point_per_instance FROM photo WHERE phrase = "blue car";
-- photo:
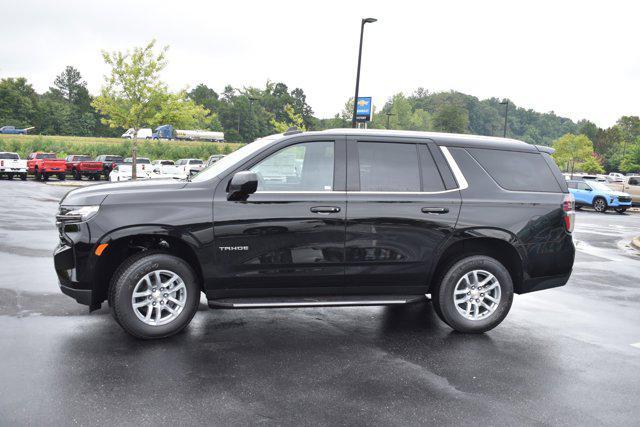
(598, 195)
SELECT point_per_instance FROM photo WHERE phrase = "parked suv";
(332, 218)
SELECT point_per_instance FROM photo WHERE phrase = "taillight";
(568, 206)
(1, 162)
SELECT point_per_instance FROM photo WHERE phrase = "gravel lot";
(563, 356)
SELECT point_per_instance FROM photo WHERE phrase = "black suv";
(108, 163)
(330, 218)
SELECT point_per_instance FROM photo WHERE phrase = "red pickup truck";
(43, 165)
(80, 166)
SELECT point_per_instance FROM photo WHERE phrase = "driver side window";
(301, 167)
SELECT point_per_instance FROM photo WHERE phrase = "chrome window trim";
(457, 173)
(455, 169)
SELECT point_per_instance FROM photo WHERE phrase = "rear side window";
(388, 166)
(9, 156)
(517, 171)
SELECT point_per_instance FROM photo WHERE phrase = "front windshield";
(234, 158)
(599, 186)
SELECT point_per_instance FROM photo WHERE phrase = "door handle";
(435, 210)
(325, 209)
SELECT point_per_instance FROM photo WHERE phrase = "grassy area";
(65, 145)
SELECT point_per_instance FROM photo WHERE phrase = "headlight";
(70, 214)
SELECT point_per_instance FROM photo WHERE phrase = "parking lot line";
(636, 345)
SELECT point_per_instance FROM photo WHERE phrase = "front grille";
(624, 199)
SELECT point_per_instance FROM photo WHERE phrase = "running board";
(321, 301)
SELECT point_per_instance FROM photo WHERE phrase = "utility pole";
(388, 117)
(506, 114)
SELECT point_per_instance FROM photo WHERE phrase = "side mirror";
(589, 189)
(242, 184)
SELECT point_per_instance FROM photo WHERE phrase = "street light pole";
(355, 98)
(388, 117)
(506, 114)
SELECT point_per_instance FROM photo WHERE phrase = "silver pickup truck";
(11, 165)
(631, 185)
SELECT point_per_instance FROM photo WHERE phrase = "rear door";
(402, 205)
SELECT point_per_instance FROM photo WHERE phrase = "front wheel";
(154, 295)
(23, 176)
(475, 294)
(9, 176)
(600, 204)
(621, 210)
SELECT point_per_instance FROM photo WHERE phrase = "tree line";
(247, 113)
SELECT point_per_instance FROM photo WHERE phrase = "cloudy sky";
(580, 59)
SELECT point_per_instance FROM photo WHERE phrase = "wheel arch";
(126, 242)
(501, 248)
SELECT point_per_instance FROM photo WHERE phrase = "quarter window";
(388, 167)
(301, 167)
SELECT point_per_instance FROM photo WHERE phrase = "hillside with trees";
(247, 113)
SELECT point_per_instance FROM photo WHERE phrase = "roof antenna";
(292, 131)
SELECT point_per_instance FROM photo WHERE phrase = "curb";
(70, 184)
(635, 243)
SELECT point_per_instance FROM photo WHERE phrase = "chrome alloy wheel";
(599, 205)
(159, 297)
(477, 295)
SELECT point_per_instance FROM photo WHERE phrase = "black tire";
(38, 175)
(96, 177)
(443, 294)
(127, 276)
(620, 210)
(62, 176)
(10, 176)
(600, 204)
(23, 176)
(578, 207)
(76, 175)
(45, 176)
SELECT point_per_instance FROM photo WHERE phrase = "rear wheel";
(474, 295)
(600, 204)
(62, 176)
(10, 176)
(23, 176)
(45, 176)
(37, 174)
(154, 295)
(76, 175)
(620, 210)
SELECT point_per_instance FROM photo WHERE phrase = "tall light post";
(506, 114)
(388, 117)
(355, 99)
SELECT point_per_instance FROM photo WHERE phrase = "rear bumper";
(13, 170)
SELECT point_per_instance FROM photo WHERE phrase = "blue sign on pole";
(363, 109)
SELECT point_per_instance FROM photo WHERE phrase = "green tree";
(293, 120)
(134, 96)
(631, 161)
(572, 149)
(18, 103)
(451, 119)
(592, 165)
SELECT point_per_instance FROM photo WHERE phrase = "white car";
(122, 172)
(11, 165)
(190, 166)
(166, 169)
(214, 158)
(615, 177)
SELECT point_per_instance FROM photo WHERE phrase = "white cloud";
(578, 58)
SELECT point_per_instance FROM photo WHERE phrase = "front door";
(402, 205)
(289, 234)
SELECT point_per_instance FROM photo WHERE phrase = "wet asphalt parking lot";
(566, 356)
